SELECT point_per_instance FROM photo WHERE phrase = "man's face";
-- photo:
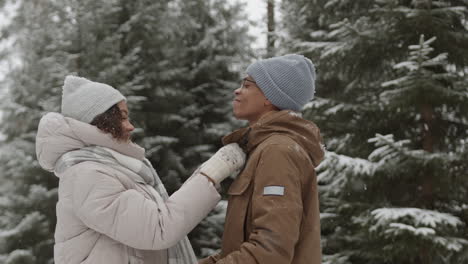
(249, 102)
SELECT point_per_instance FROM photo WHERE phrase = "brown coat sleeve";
(209, 260)
(276, 219)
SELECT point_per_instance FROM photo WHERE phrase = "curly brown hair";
(111, 122)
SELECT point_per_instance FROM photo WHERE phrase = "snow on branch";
(29, 222)
(388, 96)
(415, 216)
(451, 117)
(161, 140)
(317, 103)
(156, 143)
(337, 170)
(333, 106)
(338, 258)
(396, 228)
(421, 224)
(334, 48)
(389, 149)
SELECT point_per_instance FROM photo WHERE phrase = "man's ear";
(267, 103)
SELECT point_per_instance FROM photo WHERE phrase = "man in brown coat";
(273, 210)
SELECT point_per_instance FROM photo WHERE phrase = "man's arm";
(276, 210)
(210, 259)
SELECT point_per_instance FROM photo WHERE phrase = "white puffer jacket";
(103, 215)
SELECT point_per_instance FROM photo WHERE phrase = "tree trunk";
(427, 191)
(427, 114)
(271, 28)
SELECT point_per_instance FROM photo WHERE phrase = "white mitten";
(224, 162)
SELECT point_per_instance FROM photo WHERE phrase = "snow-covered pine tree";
(130, 45)
(28, 193)
(423, 216)
(355, 45)
(182, 64)
(176, 62)
(213, 45)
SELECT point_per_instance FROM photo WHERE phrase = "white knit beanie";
(83, 99)
(288, 81)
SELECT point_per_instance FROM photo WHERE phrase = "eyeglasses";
(246, 80)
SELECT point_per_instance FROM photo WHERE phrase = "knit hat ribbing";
(288, 81)
(83, 99)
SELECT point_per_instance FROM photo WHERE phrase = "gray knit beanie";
(83, 99)
(288, 81)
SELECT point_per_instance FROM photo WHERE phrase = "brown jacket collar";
(285, 122)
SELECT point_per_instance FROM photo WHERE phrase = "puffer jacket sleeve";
(103, 204)
(276, 219)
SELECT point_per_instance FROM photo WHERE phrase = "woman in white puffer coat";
(112, 207)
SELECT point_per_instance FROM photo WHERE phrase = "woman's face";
(127, 127)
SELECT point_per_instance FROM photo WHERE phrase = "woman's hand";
(223, 163)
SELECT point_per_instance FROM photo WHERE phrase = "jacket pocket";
(235, 225)
(240, 185)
